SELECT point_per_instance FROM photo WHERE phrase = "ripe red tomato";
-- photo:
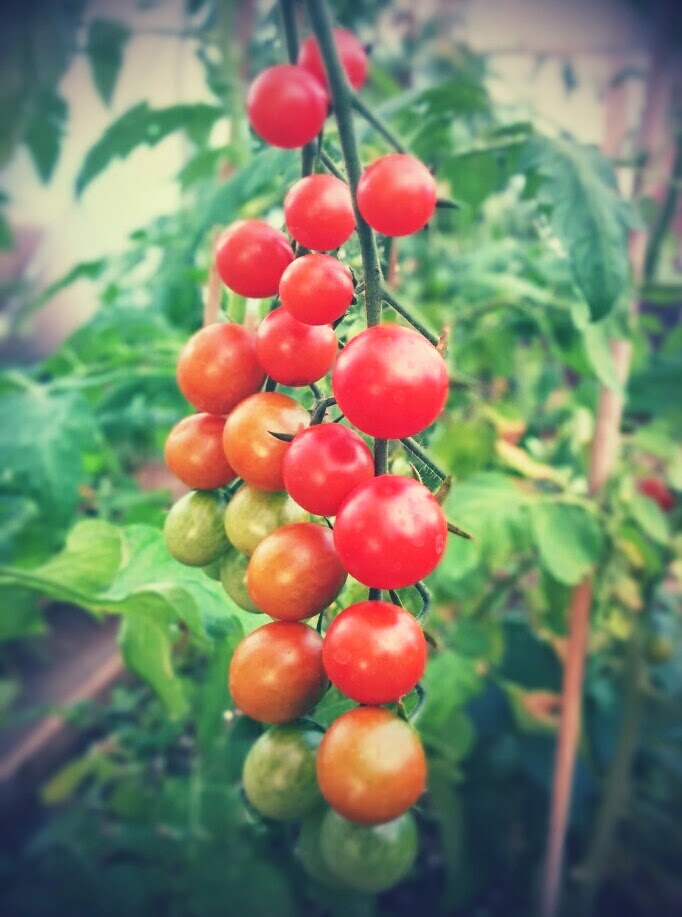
(294, 572)
(286, 105)
(390, 382)
(396, 194)
(374, 652)
(656, 490)
(252, 514)
(279, 772)
(218, 368)
(371, 766)
(350, 50)
(276, 672)
(251, 256)
(323, 465)
(250, 448)
(292, 352)
(318, 212)
(316, 289)
(194, 452)
(390, 532)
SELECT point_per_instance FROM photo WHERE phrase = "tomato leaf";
(44, 132)
(104, 47)
(568, 538)
(147, 650)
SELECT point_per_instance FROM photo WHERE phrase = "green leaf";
(147, 650)
(448, 811)
(44, 132)
(568, 538)
(597, 340)
(214, 697)
(650, 518)
(144, 125)
(104, 48)
(449, 682)
(587, 216)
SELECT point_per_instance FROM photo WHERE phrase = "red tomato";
(286, 106)
(350, 50)
(276, 672)
(294, 572)
(374, 652)
(323, 465)
(390, 532)
(396, 194)
(390, 382)
(251, 256)
(371, 766)
(316, 289)
(194, 452)
(318, 212)
(656, 490)
(218, 368)
(293, 353)
(251, 450)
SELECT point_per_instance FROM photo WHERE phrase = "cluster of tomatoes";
(288, 464)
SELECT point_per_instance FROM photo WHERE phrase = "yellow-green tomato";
(279, 772)
(252, 514)
(233, 578)
(193, 531)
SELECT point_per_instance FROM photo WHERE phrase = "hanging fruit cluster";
(260, 465)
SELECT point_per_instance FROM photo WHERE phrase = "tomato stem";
(415, 449)
(425, 595)
(397, 306)
(378, 123)
(330, 165)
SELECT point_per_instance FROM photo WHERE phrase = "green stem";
(380, 456)
(415, 449)
(330, 165)
(378, 124)
(401, 310)
(425, 595)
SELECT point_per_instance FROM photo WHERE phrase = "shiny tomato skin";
(252, 514)
(396, 194)
(218, 368)
(251, 256)
(286, 106)
(232, 576)
(374, 652)
(351, 53)
(250, 448)
(323, 465)
(294, 572)
(276, 673)
(390, 382)
(318, 212)
(279, 772)
(194, 452)
(316, 289)
(390, 532)
(193, 529)
(371, 766)
(292, 352)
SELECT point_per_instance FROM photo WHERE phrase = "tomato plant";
(286, 105)
(397, 194)
(193, 531)
(316, 289)
(351, 53)
(292, 352)
(318, 212)
(232, 575)
(251, 256)
(194, 452)
(252, 514)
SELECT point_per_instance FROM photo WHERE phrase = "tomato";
(396, 194)
(351, 53)
(276, 672)
(323, 465)
(279, 772)
(286, 106)
(193, 530)
(218, 368)
(390, 382)
(293, 353)
(251, 256)
(371, 765)
(656, 490)
(316, 289)
(309, 852)
(252, 514)
(369, 858)
(194, 452)
(374, 652)
(390, 532)
(250, 448)
(232, 575)
(294, 572)
(318, 212)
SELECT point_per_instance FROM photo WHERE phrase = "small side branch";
(401, 310)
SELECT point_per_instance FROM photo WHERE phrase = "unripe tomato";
(371, 766)
(390, 532)
(218, 368)
(309, 853)
(294, 572)
(251, 256)
(250, 448)
(252, 514)
(286, 106)
(294, 353)
(232, 576)
(194, 452)
(276, 672)
(316, 289)
(396, 194)
(390, 382)
(323, 465)
(279, 772)
(193, 530)
(318, 212)
(351, 53)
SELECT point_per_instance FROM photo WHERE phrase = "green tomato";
(309, 853)
(212, 570)
(369, 858)
(252, 514)
(233, 577)
(279, 775)
(193, 530)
